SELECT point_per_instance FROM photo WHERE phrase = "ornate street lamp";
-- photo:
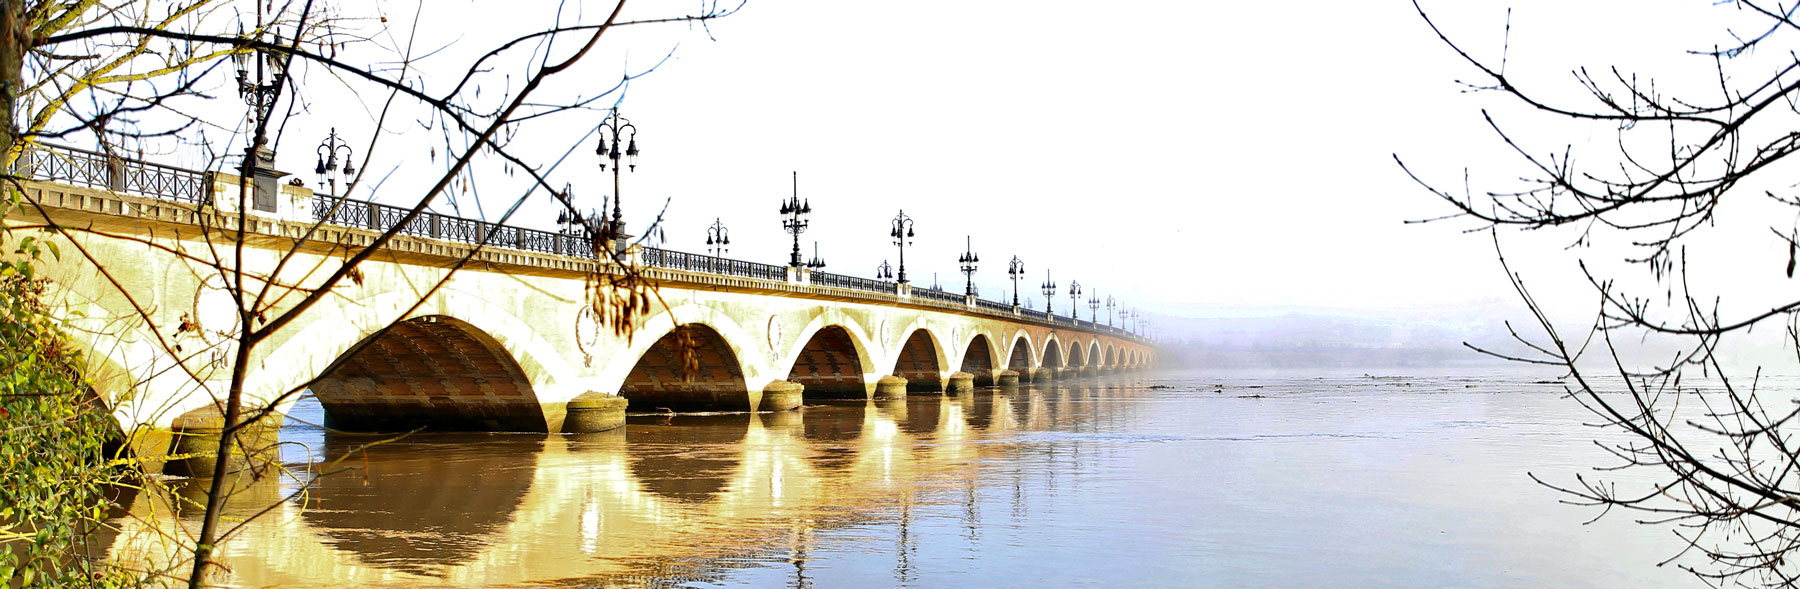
(327, 168)
(1094, 308)
(1074, 300)
(885, 271)
(1049, 294)
(1110, 305)
(260, 87)
(816, 262)
(612, 131)
(902, 232)
(718, 239)
(796, 213)
(967, 262)
(1014, 270)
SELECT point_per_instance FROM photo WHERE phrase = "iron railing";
(87, 168)
(675, 260)
(852, 283)
(71, 165)
(937, 295)
(993, 305)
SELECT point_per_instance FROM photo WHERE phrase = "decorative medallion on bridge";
(955, 332)
(774, 331)
(883, 333)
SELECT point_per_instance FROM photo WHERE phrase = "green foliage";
(53, 434)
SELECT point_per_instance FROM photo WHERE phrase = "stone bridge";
(506, 343)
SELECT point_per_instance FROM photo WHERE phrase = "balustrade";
(88, 168)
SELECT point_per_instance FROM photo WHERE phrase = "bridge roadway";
(505, 344)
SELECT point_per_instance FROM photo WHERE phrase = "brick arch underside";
(1093, 355)
(828, 366)
(977, 361)
(1021, 356)
(1110, 359)
(706, 377)
(918, 364)
(434, 372)
(1053, 356)
(1075, 356)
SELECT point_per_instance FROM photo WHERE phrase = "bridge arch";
(339, 323)
(690, 367)
(1111, 360)
(1053, 355)
(435, 371)
(735, 337)
(978, 358)
(1093, 354)
(830, 357)
(921, 360)
(1021, 358)
(1077, 356)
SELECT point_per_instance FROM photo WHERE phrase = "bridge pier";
(961, 382)
(781, 395)
(890, 387)
(594, 412)
(1006, 378)
(196, 437)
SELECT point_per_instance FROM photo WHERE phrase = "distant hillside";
(1332, 341)
(1325, 341)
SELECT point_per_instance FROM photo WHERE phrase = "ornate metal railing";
(87, 168)
(70, 165)
(675, 260)
(937, 295)
(852, 282)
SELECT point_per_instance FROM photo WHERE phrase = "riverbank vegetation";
(55, 434)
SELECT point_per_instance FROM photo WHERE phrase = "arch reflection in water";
(679, 499)
(686, 457)
(423, 502)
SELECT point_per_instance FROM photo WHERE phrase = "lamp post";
(816, 262)
(967, 262)
(718, 239)
(795, 213)
(260, 87)
(327, 167)
(902, 232)
(1110, 305)
(1014, 270)
(1094, 308)
(885, 271)
(1074, 301)
(612, 131)
(1049, 289)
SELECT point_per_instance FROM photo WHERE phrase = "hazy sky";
(1189, 158)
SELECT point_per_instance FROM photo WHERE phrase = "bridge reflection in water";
(678, 498)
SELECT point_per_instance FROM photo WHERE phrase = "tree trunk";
(14, 40)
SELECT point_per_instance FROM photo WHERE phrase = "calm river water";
(1192, 479)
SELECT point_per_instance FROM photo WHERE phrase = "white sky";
(1189, 158)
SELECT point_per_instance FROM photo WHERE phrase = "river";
(1396, 478)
